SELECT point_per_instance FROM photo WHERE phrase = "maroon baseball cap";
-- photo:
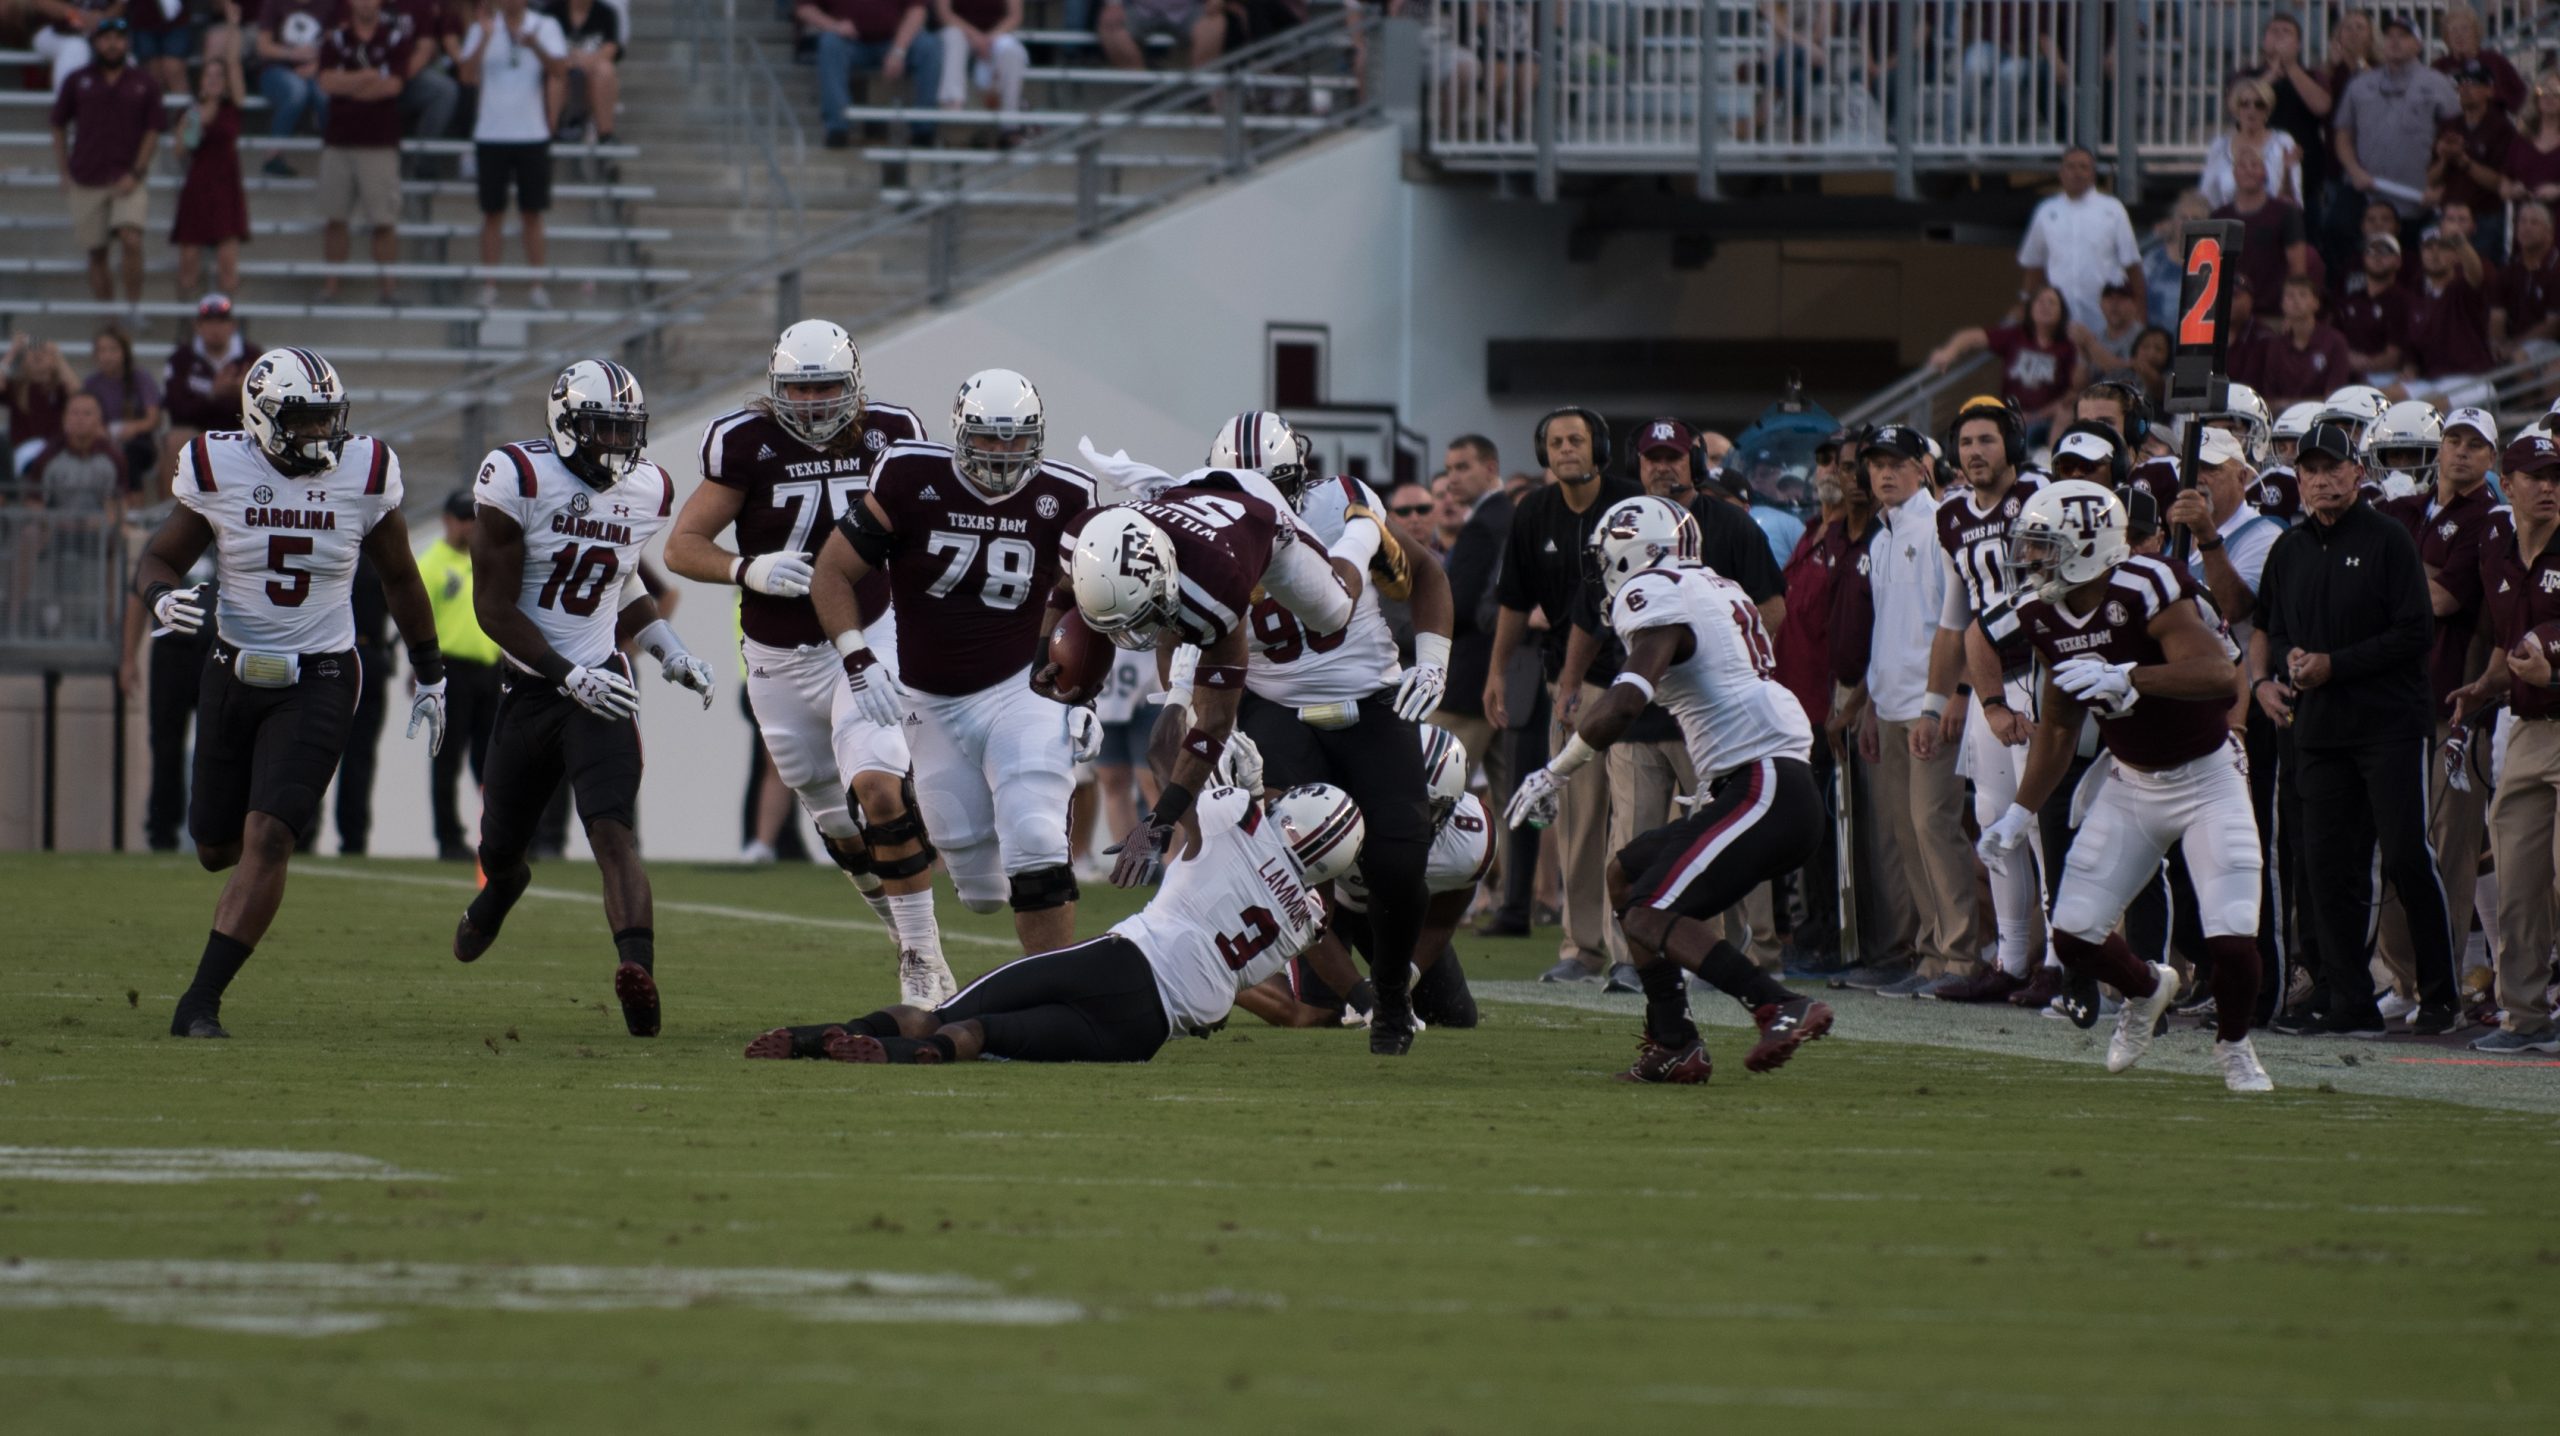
(2533, 454)
(214, 306)
(1664, 434)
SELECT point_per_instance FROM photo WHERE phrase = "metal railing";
(1922, 396)
(1860, 85)
(757, 120)
(62, 581)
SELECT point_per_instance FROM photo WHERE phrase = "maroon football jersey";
(2156, 732)
(794, 494)
(2519, 597)
(1222, 542)
(2277, 493)
(970, 573)
(2449, 538)
(1978, 544)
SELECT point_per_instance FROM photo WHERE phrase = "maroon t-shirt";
(972, 573)
(2449, 330)
(108, 115)
(2486, 143)
(873, 20)
(367, 124)
(2375, 319)
(2156, 732)
(2449, 541)
(2532, 167)
(984, 14)
(2506, 86)
(2520, 598)
(1804, 646)
(2308, 371)
(791, 495)
(1222, 542)
(2033, 374)
(2529, 292)
(2270, 231)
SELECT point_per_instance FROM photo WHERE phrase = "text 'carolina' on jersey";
(286, 545)
(580, 542)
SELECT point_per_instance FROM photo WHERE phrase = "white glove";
(783, 575)
(875, 694)
(2005, 835)
(1240, 764)
(2096, 682)
(180, 610)
(602, 691)
(1535, 805)
(1420, 691)
(1084, 732)
(1179, 675)
(688, 671)
(428, 707)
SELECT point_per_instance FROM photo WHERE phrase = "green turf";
(1265, 1231)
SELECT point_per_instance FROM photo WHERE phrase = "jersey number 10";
(579, 577)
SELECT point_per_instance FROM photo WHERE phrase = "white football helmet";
(2357, 405)
(1125, 580)
(2289, 428)
(1444, 770)
(293, 404)
(997, 406)
(815, 353)
(2244, 414)
(2400, 449)
(1264, 443)
(1323, 828)
(598, 421)
(2071, 532)
(1641, 533)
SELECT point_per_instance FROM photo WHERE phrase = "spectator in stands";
(2303, 101)
(2148, 367)
(884, 35)
(2386, 122)
(164, 40)
(2303, 359)
(982, 55)
(2381, 221)
(213, 204)
(2112, 346)
(2375, 317)
(363, 65)
(2039, 364)
(2449, 325)
(2161, 258)
(433, 95)
(106, 122)
(2533, 160)
(201, 386)
(2469, 165)
(2080, 241)
(289, 35)
(40, 383)
(513, 55)
(2353, 49)
(595, 50)
(128, 399)
(2251, 101)
(81, 470)
(70, 25)
(2460, 31)
(2274, 243)
(2524, 314)
(1125, 26)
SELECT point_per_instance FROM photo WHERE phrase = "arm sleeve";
(1302, 578)
(2407, 625)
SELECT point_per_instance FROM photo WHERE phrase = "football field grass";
(412, 1196)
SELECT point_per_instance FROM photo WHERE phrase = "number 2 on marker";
(2195, 328)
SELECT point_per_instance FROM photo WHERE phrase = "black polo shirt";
(1542, 565)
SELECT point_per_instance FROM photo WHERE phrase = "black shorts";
(1761, 820)
(526, 166)
(268, 750)
(539, 736)
(1378, 761)
(1093, 1002)
(1441, 997)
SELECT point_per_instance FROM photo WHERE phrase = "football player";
(1238, 901)
(1695, 643)
(2124, 637)
(967, 536)
(784, 471)
(287, 507)
(555, 579)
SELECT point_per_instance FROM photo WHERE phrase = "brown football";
(1083, 656)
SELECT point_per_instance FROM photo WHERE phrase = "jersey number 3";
(579, 577)
(1261, 930)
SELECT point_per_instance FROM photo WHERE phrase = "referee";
(2340, 658)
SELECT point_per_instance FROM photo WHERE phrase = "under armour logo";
(622, 511)
(2354, 562)
(315, 495)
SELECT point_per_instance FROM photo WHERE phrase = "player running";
(286, 507)
(1236, 904)
(555, 572)
(783, 471)
(2125, 637)
(968, 538)
(1694, 641)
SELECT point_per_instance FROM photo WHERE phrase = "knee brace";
(897, 832)
(1043, 888)
(855, 858)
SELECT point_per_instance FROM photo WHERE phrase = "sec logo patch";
(1046, 506)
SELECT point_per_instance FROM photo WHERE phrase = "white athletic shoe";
(2395, 1007)
(2241, 1071)
(924, 981)
(2139, 1015)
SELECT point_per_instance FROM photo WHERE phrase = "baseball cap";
(2383, 241)
(2476, 71)
(2533, 454)
(214, 306)
(2394, 20)
(2215, 447)
(2329, 439)
(2478, 421)
(2434, 234)
(459, 504)
(2086, 447)
(1664, 434)
(2117, 290)
(1901, 439)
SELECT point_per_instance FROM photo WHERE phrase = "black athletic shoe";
(843, 1046)
(469, 942)
(196, 1025)
(2304, 1021)
(1391, 1025)
(2434, 1021)
(639, 994)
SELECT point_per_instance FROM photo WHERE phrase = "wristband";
(1431, 650)
(1202, 746)
(2213, 547)
(151, 595)
(738, 572)
(553, 667)
(1995, 700)
(659, 641)
(1575, 754)
(1224, 677)
(851, 642)
(1934, 706)
(1636, 681)
(1171, 804)
(427, 661)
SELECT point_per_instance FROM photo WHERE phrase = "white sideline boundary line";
(696, 909)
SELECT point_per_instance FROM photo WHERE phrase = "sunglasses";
(2249, 104)
(1412, 511)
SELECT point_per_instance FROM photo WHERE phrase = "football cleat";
(784, 1043)
(469, 942)
(2139, 1019)
(1988, 985)
(1784, 1027)
(923, 981)
(843, 1046)
(2080, 1002)
(1391, 1025)
(638, 992)
(2040, 990)
(1687, 1066)
(2241, 1071)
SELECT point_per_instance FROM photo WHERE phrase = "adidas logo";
(928, 493)
(764, 451)
(1551, 545)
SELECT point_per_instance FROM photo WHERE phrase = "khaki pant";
(2454, 828)
(1644, 778)
(1580, 840)
(2522, 819)
(1921, 805)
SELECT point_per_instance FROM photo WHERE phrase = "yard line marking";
(697, 909)
(160, 1166)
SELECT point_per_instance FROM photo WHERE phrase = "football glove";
(875, 693)
(1426, 681)
(685, 670)
(1084, 733)
(1389, 570)
(783, 575)
(1141, 855)
(180, 610)
(427, 706)
(1541, 795)
(2096, 682)
(602, 691)
(2003, 837)
(1240, 764)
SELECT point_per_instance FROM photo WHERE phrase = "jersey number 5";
(579, 577)
(1261, 930)
(295, 586)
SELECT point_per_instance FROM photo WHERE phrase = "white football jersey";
(579, 542)
(285, 548)
(1460, 852)
(1289, 667)
(1731, 708)
(1226, 917)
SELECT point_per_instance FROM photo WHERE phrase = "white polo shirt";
(1909, 581)
(2082, 245)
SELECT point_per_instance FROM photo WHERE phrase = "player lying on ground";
(1240, 900)
(1695, 641)
(286, 515)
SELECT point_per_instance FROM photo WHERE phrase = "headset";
(1599, 435)
(2119, 463)
(2137, 407)
(2002, 411)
